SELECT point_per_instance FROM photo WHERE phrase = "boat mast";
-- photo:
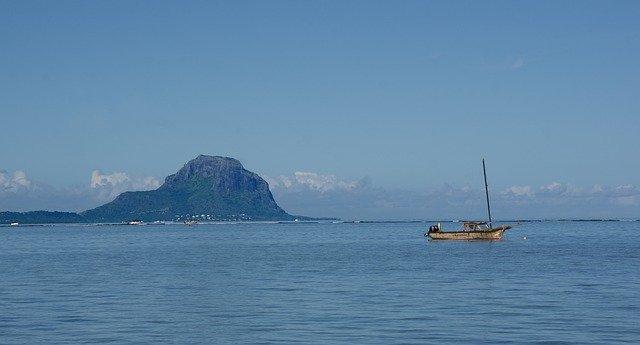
(486, 190)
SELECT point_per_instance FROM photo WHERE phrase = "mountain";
(206, 188)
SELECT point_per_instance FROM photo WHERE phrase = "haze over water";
(569, 282)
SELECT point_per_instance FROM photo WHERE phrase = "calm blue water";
(568, 283)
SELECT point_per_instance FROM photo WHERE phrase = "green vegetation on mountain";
(40, 217)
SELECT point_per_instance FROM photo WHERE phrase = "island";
(207, 188)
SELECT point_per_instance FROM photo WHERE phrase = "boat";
(135, 222)
(191, 222)
(471, 230)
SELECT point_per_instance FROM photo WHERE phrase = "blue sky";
(405, 96)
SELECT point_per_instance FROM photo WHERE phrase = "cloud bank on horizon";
(318, 195)
(19, 193)
(326, 195)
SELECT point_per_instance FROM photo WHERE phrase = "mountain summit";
(206, 188)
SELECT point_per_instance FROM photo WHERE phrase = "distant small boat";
(135, 222)
(471, 230)
(191, 222)
(15, 223)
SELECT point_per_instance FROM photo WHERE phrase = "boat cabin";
(474, 226)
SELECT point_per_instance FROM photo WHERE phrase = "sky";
(352, 109)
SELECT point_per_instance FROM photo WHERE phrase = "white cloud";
(110, 186)
(597, 189)
(557, 190)
(14, 182)
(626, 190)
(554, 188)
(626, 195)
(563, 191)
(519, 191)
(313, 181)
(98, 179)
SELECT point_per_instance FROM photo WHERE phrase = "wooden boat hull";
(489, 234)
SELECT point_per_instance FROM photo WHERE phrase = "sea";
(546, 282)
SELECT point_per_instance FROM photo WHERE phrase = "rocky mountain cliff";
(206, 188)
